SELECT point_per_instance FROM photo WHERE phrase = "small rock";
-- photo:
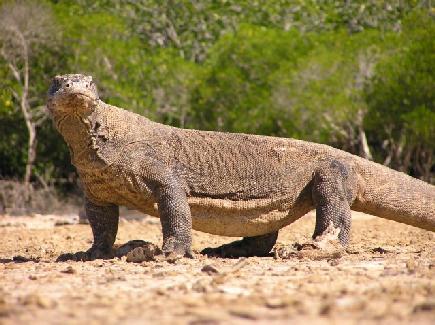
(284, 252)
(64, 222)
(233, 290)
(334, 262)
(138, 251)
(428, 306)
(246, 312)
(380, 250)
(172, 258)
(209, 269)
(69, 270)
(143, 253)
(275, 303)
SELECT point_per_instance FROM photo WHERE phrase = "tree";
(236, 88)
(322, 99)
(25, 28)
(401, 99)
(192, 27)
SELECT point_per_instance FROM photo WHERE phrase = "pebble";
(69, 270)
(209, 269)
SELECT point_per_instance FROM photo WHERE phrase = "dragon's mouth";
(72, 96)
(76, 102)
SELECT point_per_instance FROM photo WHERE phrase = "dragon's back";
(239, 166)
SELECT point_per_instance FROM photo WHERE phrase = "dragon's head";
(72, 94)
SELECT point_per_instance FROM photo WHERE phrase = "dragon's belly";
(244, 218)
(238, 224)
(240, 218)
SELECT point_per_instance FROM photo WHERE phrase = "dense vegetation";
(358, 75)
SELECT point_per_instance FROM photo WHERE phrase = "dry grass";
(40, 200)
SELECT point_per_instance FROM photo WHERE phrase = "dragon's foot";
(174, 248)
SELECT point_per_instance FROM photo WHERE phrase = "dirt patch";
(387, 274)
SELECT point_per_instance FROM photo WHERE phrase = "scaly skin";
(221, 183)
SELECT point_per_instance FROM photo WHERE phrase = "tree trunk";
(31, 127)
(31, 155)
(364, 149)
(364, 146)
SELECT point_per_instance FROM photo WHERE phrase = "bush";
(401, 100)
(15, 200)
(235, 91)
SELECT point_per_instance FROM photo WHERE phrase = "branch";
(39, 115)
(14, 94)
(110, 67)
(41, 120)
(13, 69)
(41, 180)
(171, 31)
(331, 123)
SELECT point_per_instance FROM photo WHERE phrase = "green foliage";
(168, 83)
(235, 92)
(269, 81)
(401, 97)
(320, 99)
(12, 152)
(98, 44)
(153, 84)
(193, 27)
(23, 39)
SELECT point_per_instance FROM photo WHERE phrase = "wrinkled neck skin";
(76, 129)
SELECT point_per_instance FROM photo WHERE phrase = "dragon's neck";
(77, 134)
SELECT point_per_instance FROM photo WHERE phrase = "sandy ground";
(387, 276)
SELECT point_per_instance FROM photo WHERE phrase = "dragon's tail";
(394, 195)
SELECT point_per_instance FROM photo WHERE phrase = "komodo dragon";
(221, 183)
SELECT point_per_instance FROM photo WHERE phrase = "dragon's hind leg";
(248, 246)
